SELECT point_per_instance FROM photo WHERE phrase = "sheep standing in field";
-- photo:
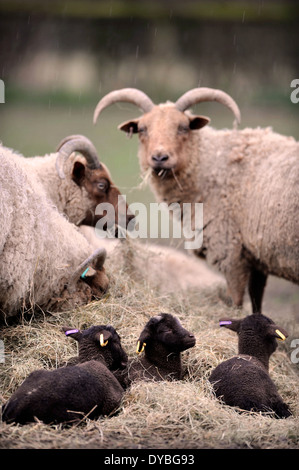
(243, 381)
(76, 184)
(42, 255)
(162, 340)
(247, 180)
(67, 394)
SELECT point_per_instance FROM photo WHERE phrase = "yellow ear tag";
(281, 335)
(102, 343)
(138, 350)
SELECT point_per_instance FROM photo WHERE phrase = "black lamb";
(67, 394)
(162, 340)
(243, 381)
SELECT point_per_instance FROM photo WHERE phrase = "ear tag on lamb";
(225, 322)
(70, 332)
(138, 350)
(281, 335)
(102, 342)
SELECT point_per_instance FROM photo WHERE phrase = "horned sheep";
(42, 255)
(247, 180)
(243, 381)
(68, 394)
(75, 180)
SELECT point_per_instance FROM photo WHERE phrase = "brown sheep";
(77, 184)
(247, 180)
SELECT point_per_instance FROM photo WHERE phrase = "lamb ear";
(103, 336)
(72, 332)
(231, 324)
(130, 127)
(278, 332)
(146, 333)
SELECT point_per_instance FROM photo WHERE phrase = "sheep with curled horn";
(76, 181)
(247, 180)
(42, 256)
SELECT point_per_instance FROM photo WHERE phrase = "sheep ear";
(130, 127)
(72, 332)
(278, 332)
(231, 324)
(103, 337)
(197, 122)
(78, 173)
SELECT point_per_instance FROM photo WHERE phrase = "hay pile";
(173, 415)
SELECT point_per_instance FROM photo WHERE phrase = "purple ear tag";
(225, 322)
(70, 332)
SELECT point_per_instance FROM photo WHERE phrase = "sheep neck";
(166, 361)
(253, 347)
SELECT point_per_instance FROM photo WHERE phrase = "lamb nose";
(160, 157)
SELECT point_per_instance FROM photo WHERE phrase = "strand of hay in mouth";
(145, 176)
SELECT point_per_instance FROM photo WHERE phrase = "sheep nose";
(160, 157)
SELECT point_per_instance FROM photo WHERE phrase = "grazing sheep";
(67, 394)
(42, 255)
(162, 340)
(243, 381)
(247, 180)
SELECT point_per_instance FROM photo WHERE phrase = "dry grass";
(173, 415)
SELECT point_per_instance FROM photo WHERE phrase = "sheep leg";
(237, 280)
(256, 287)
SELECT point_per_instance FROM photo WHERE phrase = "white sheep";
(42, 255)
(247, 180)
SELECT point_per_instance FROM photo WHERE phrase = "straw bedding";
(172, 415)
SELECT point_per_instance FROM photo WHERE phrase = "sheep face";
(257, 334)
(168, 331)
(100, 343)
(100, 189)
(164, 136)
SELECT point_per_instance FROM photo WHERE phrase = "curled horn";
(129, 95)
(76, 143)
(98, 256)
(197, 95)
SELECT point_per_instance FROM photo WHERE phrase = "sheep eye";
(103, 185)
(183, 129)
(142, 130)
